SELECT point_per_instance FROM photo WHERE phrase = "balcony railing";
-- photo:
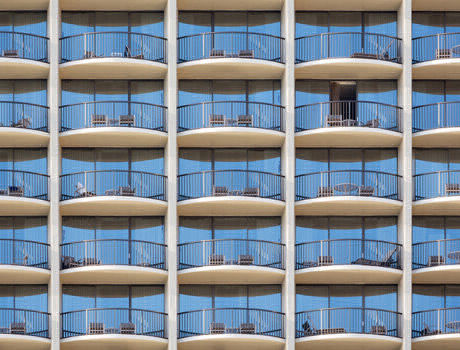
(114, 321)
(230, 45)
(436, 47)
(23, 115)
(17, 183)
(23, 45)
(113, 44)
(348, 320)
(348, 183)
(113, 183)
(219, 252)
(435, 253)
(231, 321)
(231, 113)
(348, 114)
(221, 183)
(113, 252)
(348, 45)
(435, 116)
(435, 322)
(24, 322)
(437, 184)
(113, 113)
(23, 253)
(348, 252)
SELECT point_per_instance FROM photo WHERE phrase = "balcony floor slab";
(440, 341)
(15, 274)
(18, 68)
(231, 342)
(442, 137)
(440, 5)
(22, 342)
(114, 342)
(21, 137)
(443, 274)
(351, 5)
(437, 206)
(348, 342)
(23, 206)
(448, 68)
(110, 5)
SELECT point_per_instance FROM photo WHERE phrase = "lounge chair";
(217, 328)
(216, 120)
(244, 119)
(379, 330)
(325, 260)
(216, 259)
(126, 191)
(308, 328)
(127, 328)
(246, 53)
(90, 261)
(373, 123)
(387, 260)
(436, 260)
(96, 328)
(452, 189)
(127, 120)
(220, 191)
(248, 328)
(215, 53)
(428, 331)
(325, 192)
(18, 328)
(81, 191)
(338, 330)
(99, 120)
(366, 191)
(251, 192)
(12, 53)
(366, 55)
(334, 120)
(245, 259)
(69, 262)
(443, 53)
(16, 191)
(21, 123)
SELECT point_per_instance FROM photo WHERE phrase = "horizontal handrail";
(348, 320)
(23, 115)
(113, 183)
(23, 253)
(217, 252)
(435, 47)
(231, 45)
(113, 44)
(231, 321)
(348, 45)
(23, 45)
(125, 321)
(348, 252)
(435, 322)
(348, 114)
(230, 114)
(348, 183)
(248, 183)
(24, 322)
(435, 116)
(437, 184)
(113, 252)
(96, 114)
(18, 183)
(436, 253)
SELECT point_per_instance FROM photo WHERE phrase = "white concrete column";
(288, 157)
(171, 220)
(405, 164)
(54, 165)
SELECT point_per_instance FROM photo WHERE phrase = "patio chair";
(248, 328)
(443, 53)
(245, 259)
(307, 264)
(246, 53)
(428, 331)
(4, 330)
(12, 53)
(220, 191)
(96, 328)
(216, 120)
(379, 330)
(251, 192)
(387, 260)
(308, 328)
(112, 192)
(333, 120)
(99, 120)
(81, 191)
(216, 259)
(18, 328)
(366, 55)
(68, 262)
(216, 53)
(217, 328)
(366, 191)
(90, 261)
(21, 123)
(16, 191)
(325, 192)
(452, 189)
(244, 119)
(126, 191)
(325, 260)
(337, 330)
(127, 120)
(127, 328)
(436, 260)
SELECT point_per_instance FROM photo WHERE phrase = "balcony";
(349, 192)
(120, 5)
(348, 56)
(436, 261)
(24, 329)
(435, 329)
(441, 5)
(348, 329)
(231, 124)
(23, 56)
(227, 328)
(436, 56)
(348, 261)
(114, 55)
(436, 125)
(205, 5)
(25, 5)
(351, 5)
(437, 192)
(113, 261)
(230, 55)
(23, 262)
(113, 124)
(348, 123)
(23, 124)
(231, 261)
(230, 193)
(23, 193)
(113, 192)
(103, 329)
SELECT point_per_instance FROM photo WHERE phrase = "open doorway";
(343, 96)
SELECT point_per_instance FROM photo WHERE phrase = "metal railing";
(217, 252)
(231, 113)
(17, 183)
(113, 113)
(23, 253)
(436, 47)
(231, 321)
(348, 183)
(230, 44)
(23, 115)
(113, 44)
(23, 45)
(434, 322)
(219, 183)
(348, 114)
(348, 45)
(348, 320)
(437, 184)
(348, 252)
(435, 253)
(435, 116)
(113, 321)
(113, 183)
(24, 322)
(113, 252)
